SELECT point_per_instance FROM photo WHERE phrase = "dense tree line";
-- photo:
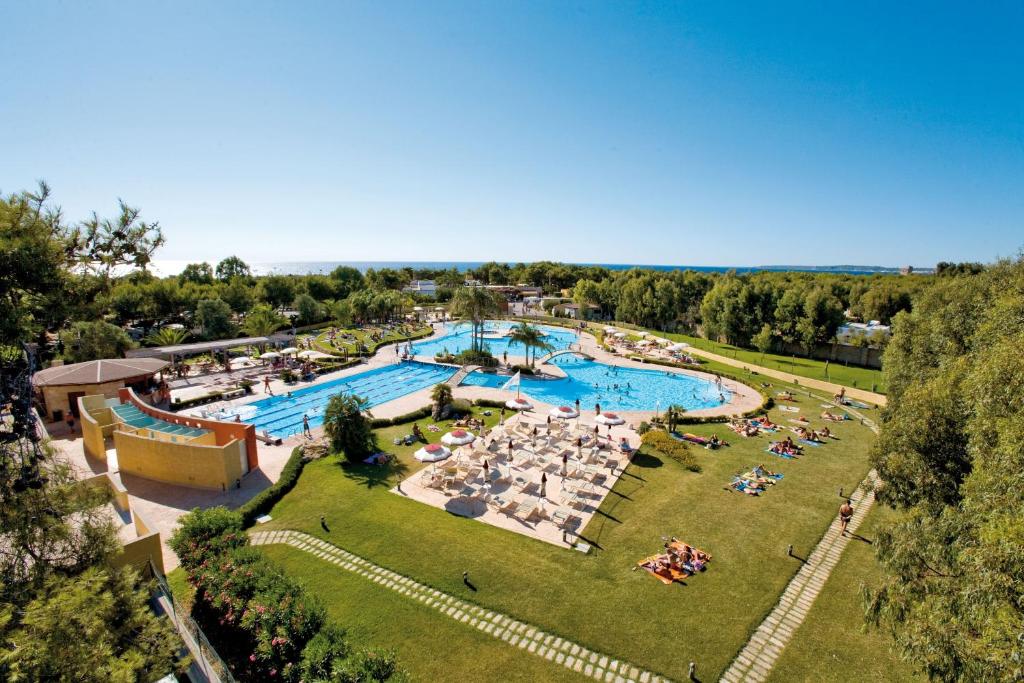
(950, 454)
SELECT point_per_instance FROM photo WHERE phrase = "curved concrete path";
(820, 385)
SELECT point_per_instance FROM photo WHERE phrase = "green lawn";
(363, 336)
(431, 646)
(594, 599)
(832, 644)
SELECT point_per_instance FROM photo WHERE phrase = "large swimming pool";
(456, 338)
(282, 415)
(615, 388)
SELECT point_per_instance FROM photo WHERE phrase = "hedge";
(418, 414)
(677, 450)
(266, 499)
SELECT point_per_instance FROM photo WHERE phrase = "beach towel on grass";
(809, 442)
(790, 409)
(787, 456)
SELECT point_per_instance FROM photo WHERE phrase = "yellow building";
(140, 543)
(164, 446)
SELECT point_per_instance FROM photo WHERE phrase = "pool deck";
(163, 504)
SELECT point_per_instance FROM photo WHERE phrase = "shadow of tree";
(646, 460)
(372, 476)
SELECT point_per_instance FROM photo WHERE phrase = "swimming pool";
(456, 338)
(615, 388)
(282, 415)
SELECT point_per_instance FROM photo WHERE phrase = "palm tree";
(441, 395)
(262, 321)
(167, 336)
(531, 338)
(475, 304)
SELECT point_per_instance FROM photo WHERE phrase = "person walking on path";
(266, 386)
(305, 427)
(845, 514)
(543, 485)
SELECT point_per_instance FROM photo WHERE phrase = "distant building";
(576, 311)
(423, 287)
(907, 270)
(872, 330)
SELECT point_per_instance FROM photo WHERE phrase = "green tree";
(262, 321)
(276, 290)
(347, 280)
(442, 397)
(85, 341)
(198, 273)
(475, 304)
(531, 338)
(763, 340)
(348, 428)
(167, 336)
(233, 267)
(128, 302)
(214, 318)
(309, 310)
(237, 294)
(96, 626)
(950, 455)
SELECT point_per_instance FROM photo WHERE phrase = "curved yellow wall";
(188, 464)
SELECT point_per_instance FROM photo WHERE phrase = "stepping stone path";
(757, 657)
(528, 638)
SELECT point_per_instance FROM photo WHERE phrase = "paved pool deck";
(163, 504)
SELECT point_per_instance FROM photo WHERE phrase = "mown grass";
(363, 336)
(833, 644)
(595, 599)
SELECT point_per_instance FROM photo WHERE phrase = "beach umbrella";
(309, 353)
(270, 355)
(620, 335)
(289, 350)
(564, 412)
(609, 419)
(458, 437)
(609, 329)
(678, 347)
(644, 342)
(433, 452)
(417, 308)
(518, 404)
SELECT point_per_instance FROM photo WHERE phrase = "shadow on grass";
(372, 476)
(646, 460)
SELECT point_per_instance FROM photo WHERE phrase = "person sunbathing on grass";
(763, 471)
(785, 396)
(823, 433)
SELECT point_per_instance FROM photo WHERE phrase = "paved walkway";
(758, 656)
(821, 385)
(557, 650)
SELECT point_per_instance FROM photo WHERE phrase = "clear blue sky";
(680, 133)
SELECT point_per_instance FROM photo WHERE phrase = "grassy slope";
(431, 646)
(832, 645)
(596, 599)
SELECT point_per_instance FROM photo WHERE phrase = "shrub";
(247, 385)
(204, 534)
(288, 375)
(670, 447)
(480, 357)
(525, 369)
(489, 403)
(461, 406)
(418, 414)
(643, 428)
(266, 499)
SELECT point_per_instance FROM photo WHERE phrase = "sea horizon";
(166, 267)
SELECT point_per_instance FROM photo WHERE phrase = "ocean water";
(173, 267)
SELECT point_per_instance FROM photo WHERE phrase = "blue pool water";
(615, 388)
(456, 338)
(282, 415)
